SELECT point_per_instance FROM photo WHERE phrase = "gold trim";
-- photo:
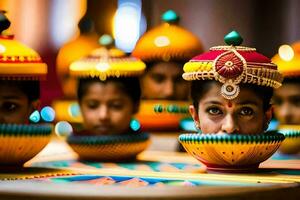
(263, 77)
(226, 48)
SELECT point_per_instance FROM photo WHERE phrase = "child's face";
(106, 109)
(14, 105)
(287, 103)
(164, 81)
(244, 114)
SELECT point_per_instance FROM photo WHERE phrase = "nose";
(285, 113)
(169, 89)
(229, 125)
(103, 113)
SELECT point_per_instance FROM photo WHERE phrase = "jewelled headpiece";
(106, 62)
(232, 65)
(167, 42)
(17, 61)
(288, 60)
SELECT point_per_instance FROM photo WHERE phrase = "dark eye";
(214, 111)
(9, 107)
(246, 111)
(158, 78)
(277, 101)
(92, 104)
(295, 101)
(116, 105)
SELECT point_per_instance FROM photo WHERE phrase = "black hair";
(129, 85)
(199, 88)
(30, 88)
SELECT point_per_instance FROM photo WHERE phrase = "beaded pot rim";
(107, 139)
(268, 137)
(232, 65)
(289, 131)
(30, 130)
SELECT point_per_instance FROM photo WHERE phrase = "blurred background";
(47, 25)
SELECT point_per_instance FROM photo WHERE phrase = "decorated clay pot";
(20, 143)
(291, 144)
(231, 153)
(109, 147)
(166, 119)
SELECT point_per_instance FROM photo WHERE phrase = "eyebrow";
(10, 97)
(213, 102)
(245, 102)
(248, 102)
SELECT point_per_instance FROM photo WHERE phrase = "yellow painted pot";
(291, 144)
(20, 143)
(109, 148)
(231, 153)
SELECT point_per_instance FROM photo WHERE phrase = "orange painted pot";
(166, 120)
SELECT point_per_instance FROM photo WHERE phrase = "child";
(107, 106)
(109, 90)
(18, 99)
(287, 98)
(20, 71)
(231, 88)
(84, 44)
(165, 49)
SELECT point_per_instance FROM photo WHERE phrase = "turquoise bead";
(35, 117)
(170, 16)
(233, 38)
(106, 40)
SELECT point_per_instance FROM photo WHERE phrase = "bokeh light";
(74, 110)
(48, 114)
(286, 52)
(63, 128)
(162, 41)
(129, 24)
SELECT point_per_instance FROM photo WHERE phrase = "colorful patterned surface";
(151, 169)
(139, 165)
(140, 181)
